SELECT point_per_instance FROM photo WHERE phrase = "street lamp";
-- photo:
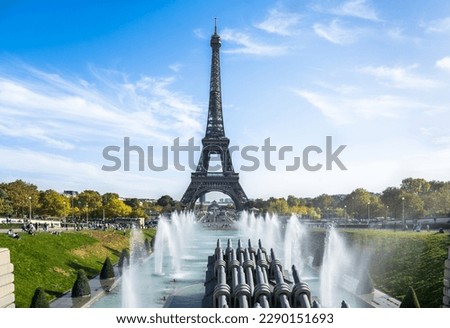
(29, 200)
(345, 214)
(71, 207)
(368, 212)
(403, 212)
(64, 214)
(87, 216)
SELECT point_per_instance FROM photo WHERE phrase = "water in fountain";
(176, 263)
(342, 269)
(130, 272)
(287, 237)
(182, 247)
(295, 241)
(267, 229)
(172, 240)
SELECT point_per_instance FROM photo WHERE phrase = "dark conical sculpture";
(39, 299)
(107, 271)
(410, 300)
(81, 286)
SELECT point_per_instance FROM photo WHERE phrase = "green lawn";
(50, 261)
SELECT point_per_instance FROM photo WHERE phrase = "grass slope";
(50, 262)
(403, 259)
(398, 260)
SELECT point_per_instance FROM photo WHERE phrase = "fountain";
(171, 241)
(336, 262)
(131, 271)
(173, 275)
(176, 263)
(288, 237)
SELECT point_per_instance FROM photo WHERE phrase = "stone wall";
(6, 280)
(446, 298)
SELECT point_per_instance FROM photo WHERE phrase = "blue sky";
(76, 77)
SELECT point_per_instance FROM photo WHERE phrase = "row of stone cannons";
(248, 277)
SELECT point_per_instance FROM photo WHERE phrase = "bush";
(81, 286)
(410, 300)
(124, 259)
(107, 270)
(147, 245)
(39, 299)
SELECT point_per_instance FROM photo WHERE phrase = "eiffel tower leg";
(201, 185)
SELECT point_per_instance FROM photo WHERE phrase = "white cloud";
(176, 67)
(438, 26)
(348, 109)
(444, 63)
(58, 112)
(336, 33)
(398, 34)
(278, 22)
(51, 171)
(246, 45)
(199, 33)
(400, 77)
(56, 128)
(356, 8)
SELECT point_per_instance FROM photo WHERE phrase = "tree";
(166, 202)
(88, 202)
(313, 213)
(116, 208)
(324, 202)
(357, 203)
(437, 201)
(81, 286)
(279, 206)
(300, 210)
(39, 299)
(107, 271)
(294, 201)
(392, 199)
(20, 195)
(260, 204)
(139, 208)
(5, 206)
(361, 204)
(414, 205)
(415, 186)
(53, 203)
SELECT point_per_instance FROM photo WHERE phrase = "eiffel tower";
(215, 143)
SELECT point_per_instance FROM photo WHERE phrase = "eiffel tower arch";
(215, 143)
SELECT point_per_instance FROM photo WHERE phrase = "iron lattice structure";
(221, 177)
